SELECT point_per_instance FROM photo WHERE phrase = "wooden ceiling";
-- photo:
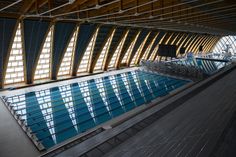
(202, 16)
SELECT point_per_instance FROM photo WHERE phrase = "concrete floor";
(190, 130)
(13, 141)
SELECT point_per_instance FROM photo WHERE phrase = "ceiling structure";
(216, 17)
(52, 39)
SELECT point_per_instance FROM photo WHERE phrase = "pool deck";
(192, 129)
(207, 115)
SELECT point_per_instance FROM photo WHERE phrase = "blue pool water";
(209, 67)
(57, 114)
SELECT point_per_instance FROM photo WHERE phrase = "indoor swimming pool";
(57, 114)
(209, 67)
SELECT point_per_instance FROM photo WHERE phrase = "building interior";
(117, 78)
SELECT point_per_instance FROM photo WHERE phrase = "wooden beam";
(213, 44)
(2, 83)
(27, 4)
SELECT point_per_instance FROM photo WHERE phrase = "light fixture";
(71, 1)
(121, 11)
(97, 6)
(150, 17)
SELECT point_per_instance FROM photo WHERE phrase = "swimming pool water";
(209, 67)
(59, 113)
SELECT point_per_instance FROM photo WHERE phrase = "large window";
(66, 63)
(128, 52)
(100, 62)
(153, 53)
(15, 66)
(117, 52)
(43, 66)
(85, 62)
(226, 44)
(137, 54)
(147, 51)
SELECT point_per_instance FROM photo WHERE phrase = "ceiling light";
(121, 11)
(97, 6)
(150, 17)
(71, 1)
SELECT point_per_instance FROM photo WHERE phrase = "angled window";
(85, 62)
(67, 61)
(137, 54)
(146, 53)
(225, 44)
(128, 52)
(117, 52)
(100, 62)
(15, 66)
(153, 53)
(43, 67)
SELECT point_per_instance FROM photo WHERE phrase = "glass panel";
(128, 52)
(146, 53)
(15, 66)
(43, 67)
(152, 57)
(100, 62)
(66, 63)
(225, 44)
(117, 52)
(137, 54)
(85, 62)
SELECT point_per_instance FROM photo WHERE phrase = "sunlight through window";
(117, 52)
(128, 52)
(66, 63)
(85, 62)
(100, 62)
(147, 52)
(15, 66)
(43, 66)
(137, 54)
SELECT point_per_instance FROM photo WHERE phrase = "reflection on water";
(208, 66)
(57, 114)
